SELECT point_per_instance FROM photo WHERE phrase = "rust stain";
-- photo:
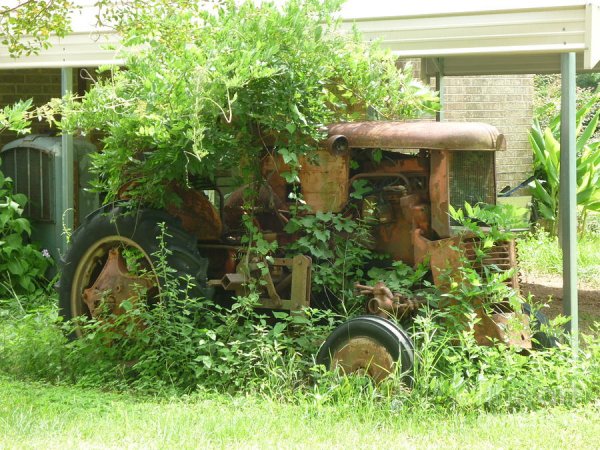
(114, 285)
(384, 303)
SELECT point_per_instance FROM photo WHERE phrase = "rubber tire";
(541, 339)
(142, 227)
(395, 340)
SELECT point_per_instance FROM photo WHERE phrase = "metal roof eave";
(497, 64)
(470, 36)
(480, 34)
(78, 49)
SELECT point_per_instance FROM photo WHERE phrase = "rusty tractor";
(424, 168)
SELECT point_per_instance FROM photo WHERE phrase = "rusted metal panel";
(505, 328)
(442, 254)
(444, 259)
(198, 215)
(393, 236)
(421, 135)
(438, 193)
(323, 181)
(445, 254)
(325, 184)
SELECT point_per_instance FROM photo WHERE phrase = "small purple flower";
(45, 253)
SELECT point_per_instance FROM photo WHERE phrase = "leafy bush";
(22, 265)
(454, 372)
(16, 117)
(180, 345)
(339, 247)
(547, 93)
(32, 343)
(211, 87)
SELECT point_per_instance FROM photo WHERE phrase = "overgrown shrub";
(180, 343)
(211, 87)
(32, 343)
(22, 265)
(454, 372)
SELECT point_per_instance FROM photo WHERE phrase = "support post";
(65, 182)
(568, 194)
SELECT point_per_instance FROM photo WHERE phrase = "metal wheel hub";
(364, 355)
(114, 285)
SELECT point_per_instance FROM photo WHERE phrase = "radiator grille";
(32, 173)
(502, 255)
(472, 178)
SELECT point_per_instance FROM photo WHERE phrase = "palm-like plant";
(546, 150)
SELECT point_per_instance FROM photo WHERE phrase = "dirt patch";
(549, 289)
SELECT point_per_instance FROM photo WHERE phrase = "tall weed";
(179, 345)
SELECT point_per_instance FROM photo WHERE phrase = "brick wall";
(503, 101)
(39, 84)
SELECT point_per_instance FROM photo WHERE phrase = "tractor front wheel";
(368, 345)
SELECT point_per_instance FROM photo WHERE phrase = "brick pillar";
(505, 101)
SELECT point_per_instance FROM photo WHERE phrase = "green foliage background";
(35, 19)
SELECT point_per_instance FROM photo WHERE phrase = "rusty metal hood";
(420, 135)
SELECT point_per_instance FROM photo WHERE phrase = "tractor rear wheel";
(368, 345)
(113, 258)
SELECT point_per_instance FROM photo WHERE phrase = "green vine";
(213, 86)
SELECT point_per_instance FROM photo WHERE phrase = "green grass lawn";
(38, 416)
(540, 254)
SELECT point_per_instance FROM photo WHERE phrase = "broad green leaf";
(15, 267)
(536, 145)
(547, 212)
(588, 132)
(552, 154)
(279, 327)
(541, 194)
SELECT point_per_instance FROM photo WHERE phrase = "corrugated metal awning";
(491, 37)
(472, 37)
